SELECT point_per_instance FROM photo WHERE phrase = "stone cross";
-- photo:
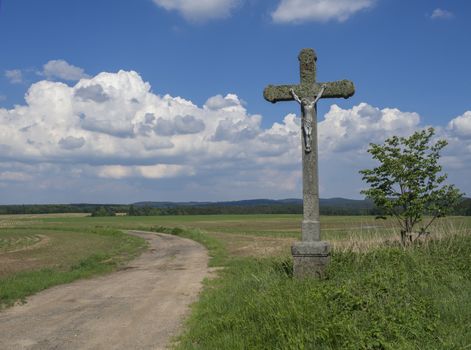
(311, 255)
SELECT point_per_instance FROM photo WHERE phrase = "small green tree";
(132, 211)
(102, 211)
(407, 184)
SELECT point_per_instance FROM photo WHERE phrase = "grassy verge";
(387, 298)
(68, 256)
(217, 251)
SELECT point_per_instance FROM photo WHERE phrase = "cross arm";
(277, 93)
(336, 89)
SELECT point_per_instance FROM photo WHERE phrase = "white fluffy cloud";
(113, 126)
(108, 138)
(60, 69)
(352, 129)
(199, 10)
(289, 11)
(441, 14)
(15, 76)
(461, 125)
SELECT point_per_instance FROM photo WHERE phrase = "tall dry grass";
(366, 238)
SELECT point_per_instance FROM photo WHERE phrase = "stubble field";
(377, 295)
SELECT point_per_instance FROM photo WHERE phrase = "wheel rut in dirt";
(142, 306)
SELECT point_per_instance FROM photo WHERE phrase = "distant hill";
(242, 203)
(328, 206)
(330, 202)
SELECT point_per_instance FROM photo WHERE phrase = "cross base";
(310, 258)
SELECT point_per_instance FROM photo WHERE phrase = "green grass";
(216, 249)
(10, 241)
(389, 298)
(282, 225)
(68, 255)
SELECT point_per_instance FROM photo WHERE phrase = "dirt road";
(140, 307)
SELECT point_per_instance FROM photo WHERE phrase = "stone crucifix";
(311, 255)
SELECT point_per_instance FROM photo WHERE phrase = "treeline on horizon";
(354, 208)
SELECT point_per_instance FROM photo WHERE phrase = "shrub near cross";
(407, 184)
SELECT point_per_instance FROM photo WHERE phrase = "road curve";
(142, 306)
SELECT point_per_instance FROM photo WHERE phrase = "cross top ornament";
(308, 88)
(311, 255)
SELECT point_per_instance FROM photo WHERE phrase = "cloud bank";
(109, 138)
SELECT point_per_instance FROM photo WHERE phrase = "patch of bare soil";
(140, 307)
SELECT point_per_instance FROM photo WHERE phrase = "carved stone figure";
(307, 115)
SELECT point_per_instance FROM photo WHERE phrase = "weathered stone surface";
(308, 87)
(314, 248)
(336, 89)
(310, 259)
(307, 66)
(311, 230)
(311, 255)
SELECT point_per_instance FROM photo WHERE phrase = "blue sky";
(198, 127)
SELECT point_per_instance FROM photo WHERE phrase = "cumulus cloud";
(199, 10)
(461, 125)
(220, 102)
(347, 130)
(441, 14)
(115, 118)
(93, 92)
(237, 130)
(110, 138)
(60, 69)
(289, 11)
(180, 125)
(71, 142)
(15, 76)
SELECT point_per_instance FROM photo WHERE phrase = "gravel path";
(139, 307)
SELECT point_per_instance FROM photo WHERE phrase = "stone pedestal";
(310, 259)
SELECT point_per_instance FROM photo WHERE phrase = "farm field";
(35, 256)
(245, 235)
(56, 237)
(377, 295)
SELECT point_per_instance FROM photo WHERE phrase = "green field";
(377, 295)
(247, 235)
(35, 255)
